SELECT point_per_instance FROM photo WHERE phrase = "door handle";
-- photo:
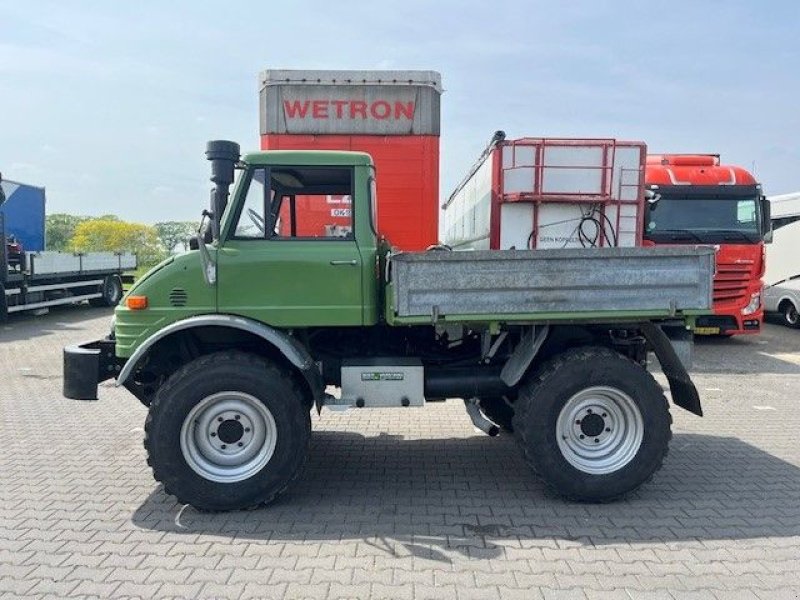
(352, 263)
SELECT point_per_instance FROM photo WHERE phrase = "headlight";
(752, 306)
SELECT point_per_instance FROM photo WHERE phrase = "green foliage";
(59, 229)
(175, 233)
(113, 235)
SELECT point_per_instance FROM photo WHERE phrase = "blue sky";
(108, 104)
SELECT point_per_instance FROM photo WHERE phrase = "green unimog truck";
(233, 344)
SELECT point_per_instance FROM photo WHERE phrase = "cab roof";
(694, 169)
(308, 157)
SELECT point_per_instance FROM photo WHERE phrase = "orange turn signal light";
(136, 302)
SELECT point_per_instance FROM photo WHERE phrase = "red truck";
(695, 199)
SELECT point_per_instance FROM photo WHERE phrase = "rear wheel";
(791, 318)
(111, 290)
(593, 424)
(227, 431)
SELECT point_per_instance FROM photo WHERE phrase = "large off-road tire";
(497, 409)
(112, 292)
(789, 313)
(593, 424)
(228, 431)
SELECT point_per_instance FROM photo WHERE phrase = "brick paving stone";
(399, 505)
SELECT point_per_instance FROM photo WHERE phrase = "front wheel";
(593, 424)
(227, 431)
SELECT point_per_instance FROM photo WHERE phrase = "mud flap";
(684, 392)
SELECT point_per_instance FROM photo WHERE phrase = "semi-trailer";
(32, 278)
(393, 116)
(549, 193)
(232, 344)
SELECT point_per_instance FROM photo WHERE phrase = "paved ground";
(399, 504)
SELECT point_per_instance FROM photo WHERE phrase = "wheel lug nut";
(608, 428)
(604, 415)
(219, 419)
(588, 411)
(247, 430)
(223, 446)
(596, 440)
(582, 436)
(237, 417)
(578, 422)
(240, 444)
(213, 434)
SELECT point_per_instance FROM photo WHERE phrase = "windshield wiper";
(677, 234)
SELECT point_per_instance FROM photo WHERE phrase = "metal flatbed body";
(592, 284)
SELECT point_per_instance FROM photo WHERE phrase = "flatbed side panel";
(46, 264)
(566, 282)
(52, 263)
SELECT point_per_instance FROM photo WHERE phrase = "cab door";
(290, 257)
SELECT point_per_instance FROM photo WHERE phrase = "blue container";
(24, 214)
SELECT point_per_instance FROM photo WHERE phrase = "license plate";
(706, 330)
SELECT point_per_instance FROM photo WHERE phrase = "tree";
(59, 229)
(172, 233)
(113, 235)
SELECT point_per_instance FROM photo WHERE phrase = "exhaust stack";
(223, 156)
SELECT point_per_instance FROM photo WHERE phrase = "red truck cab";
(699, 201)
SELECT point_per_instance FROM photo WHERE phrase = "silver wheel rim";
(614, 421)
(228, 437)
(791, 315)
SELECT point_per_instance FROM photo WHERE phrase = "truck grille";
(178, 297)
(730, 282)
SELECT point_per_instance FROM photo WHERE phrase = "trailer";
(393, 116)
(32, 278)
(549, 193)
(232, 344)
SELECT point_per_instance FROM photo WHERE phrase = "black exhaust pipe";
(223, 156)
(464, 382)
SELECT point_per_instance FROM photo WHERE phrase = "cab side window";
(301, 203)
(313, 202)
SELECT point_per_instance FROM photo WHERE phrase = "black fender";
(291, 349)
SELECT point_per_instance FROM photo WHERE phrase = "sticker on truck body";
(379, 376)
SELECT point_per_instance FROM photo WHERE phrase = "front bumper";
(86, 365)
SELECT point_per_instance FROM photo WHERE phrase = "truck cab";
(697, 200)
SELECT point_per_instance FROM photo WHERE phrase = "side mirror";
(766, 219)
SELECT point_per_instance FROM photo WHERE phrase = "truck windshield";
(704, 220)
(237, 180)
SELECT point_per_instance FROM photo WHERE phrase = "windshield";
(704, 220)
(237, 179)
